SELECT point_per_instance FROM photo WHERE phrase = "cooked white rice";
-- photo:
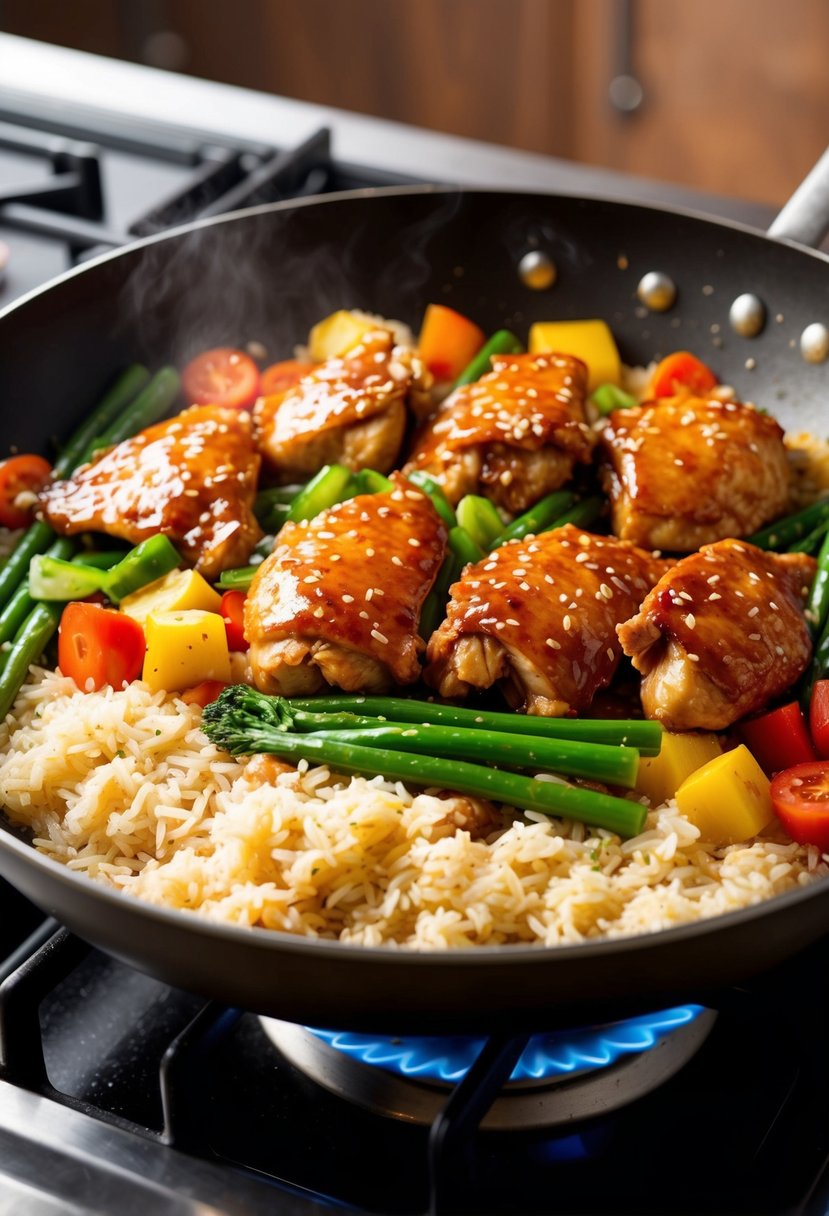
(123, 785)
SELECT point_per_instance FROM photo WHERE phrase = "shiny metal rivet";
(747, 315)
(657, 291)
(814, 342)
(537, 270)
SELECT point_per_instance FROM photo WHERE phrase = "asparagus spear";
(242, 722)
(645, 736)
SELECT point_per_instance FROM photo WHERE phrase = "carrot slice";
(448, 341)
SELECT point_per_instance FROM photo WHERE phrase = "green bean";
(28, 646)
(582, 514)
(369, 481)
(481, 520)
(608, 398)
(502, 342)
(792, 528)
(435, 491)
(237, 579)
(126, 387)
(537, 518)
(324, 490)
(817, 605)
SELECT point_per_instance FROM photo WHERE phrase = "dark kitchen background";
(728, 97)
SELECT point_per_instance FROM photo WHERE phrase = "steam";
(268, 275)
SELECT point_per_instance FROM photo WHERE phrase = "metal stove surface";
(118, 1093)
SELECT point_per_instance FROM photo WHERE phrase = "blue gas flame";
(558, 1054)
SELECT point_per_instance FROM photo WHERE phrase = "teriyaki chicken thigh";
(691, 471)
(538, 617)
(514, 435)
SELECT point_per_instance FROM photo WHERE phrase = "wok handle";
(805, 217)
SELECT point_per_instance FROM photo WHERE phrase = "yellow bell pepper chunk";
(337, 334)
(728, 798)
(660, 777)
(184, 648)
(590, 341)
(177, 591)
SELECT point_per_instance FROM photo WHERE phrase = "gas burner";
(560, 1077)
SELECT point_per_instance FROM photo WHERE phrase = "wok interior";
(268, 276)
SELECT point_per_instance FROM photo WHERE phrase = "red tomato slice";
(232, 609)
(819, 717)
(801, 802)
(279, 377)
(99, 645)
(203, 694)
(21, 475)
(780, 739)
(680, 371)
(223, 376)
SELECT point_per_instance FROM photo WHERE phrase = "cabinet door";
(735, 92)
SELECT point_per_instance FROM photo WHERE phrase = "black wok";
(268, 274)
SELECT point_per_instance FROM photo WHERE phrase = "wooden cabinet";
(735, 92)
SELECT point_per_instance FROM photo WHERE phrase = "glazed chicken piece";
(538, 616)
(350, 410)
(689, 471)
(338, 601)
(514, 435)
(720, 635)
(193, 478)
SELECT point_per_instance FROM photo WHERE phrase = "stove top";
(118, 1093)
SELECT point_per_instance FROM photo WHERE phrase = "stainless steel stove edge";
(58, 1160)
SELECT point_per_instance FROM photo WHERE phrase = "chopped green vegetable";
(817, 605)
(481, 520)
(792, 528)
(608, 398)
(238, 579)
(582, 514)
(243, 721)
(811, 542)
(326, 489)
(435, 491)
(540, 516)
(369, 481)
(502, 342)
(464, 546)
(51, 578)
(28, 646)
(150, 560)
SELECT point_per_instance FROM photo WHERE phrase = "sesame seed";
(369, 552)
(753, 611)
(715, 595)
(348, 599)
(379, 637)
(566, 622)
(396, 560)
(413, 541)
(755, 637)
(318, 612)
(512, 621)
(611, 654)
(553, 644)
(691, 620)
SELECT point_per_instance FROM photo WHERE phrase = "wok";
(268, 274)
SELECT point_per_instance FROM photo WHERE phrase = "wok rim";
(424, 190)
(391, 954)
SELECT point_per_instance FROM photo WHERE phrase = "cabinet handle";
(625, 91)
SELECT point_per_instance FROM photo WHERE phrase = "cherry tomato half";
(99, 645)
(819, 718)
(232, 609)
(279, 377)
(223, 376)
(801, 802)
(21, 475)
(679, 371)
